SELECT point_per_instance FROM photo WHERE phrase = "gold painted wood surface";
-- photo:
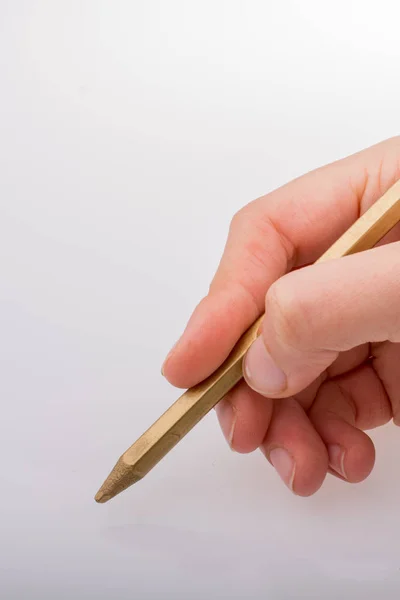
(196, 402)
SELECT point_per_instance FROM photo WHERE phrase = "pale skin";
(327, 364)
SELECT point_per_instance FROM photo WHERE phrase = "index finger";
(286, 229)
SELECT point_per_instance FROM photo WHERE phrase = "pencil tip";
(101, 497)
(121, 477)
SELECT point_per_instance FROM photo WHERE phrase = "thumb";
(317, 312)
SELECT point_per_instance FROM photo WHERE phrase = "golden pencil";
(196, 402)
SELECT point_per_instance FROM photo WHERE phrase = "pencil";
(196, 402)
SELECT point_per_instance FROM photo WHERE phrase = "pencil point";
(121, 477)
(101, 497)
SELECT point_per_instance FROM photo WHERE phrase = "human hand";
(326, 365)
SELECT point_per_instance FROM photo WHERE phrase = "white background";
(130, 132)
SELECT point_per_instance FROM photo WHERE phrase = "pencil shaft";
(196, 402)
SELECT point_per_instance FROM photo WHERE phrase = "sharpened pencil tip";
(121, 477)
(101, 497)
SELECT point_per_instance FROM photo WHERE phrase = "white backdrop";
(130, 132)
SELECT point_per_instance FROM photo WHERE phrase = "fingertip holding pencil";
(196, 402)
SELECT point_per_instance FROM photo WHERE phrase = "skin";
(325, 368)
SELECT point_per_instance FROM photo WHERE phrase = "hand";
(326, 366)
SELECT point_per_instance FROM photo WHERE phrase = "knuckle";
(247, 214)
(287, 314)
(240, 217)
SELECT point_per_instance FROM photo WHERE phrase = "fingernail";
(284, 465)
(168, 357)
(261, 372)
(227, 417)
(336, 459)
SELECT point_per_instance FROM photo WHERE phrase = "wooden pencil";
(196, 402)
